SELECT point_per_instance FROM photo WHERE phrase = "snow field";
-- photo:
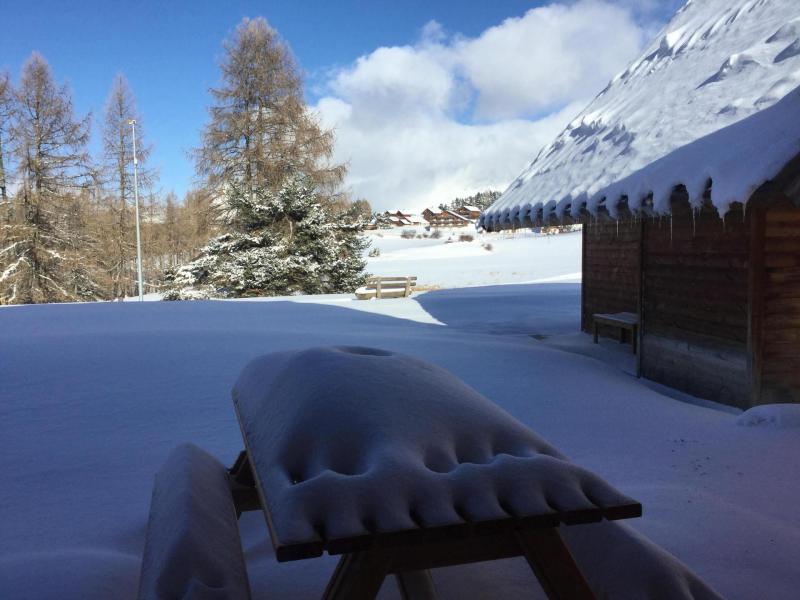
(94, 397)
(514, 257)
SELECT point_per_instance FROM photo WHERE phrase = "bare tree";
(6, 108)
(118, 172)
(260, 132)
(52, 170)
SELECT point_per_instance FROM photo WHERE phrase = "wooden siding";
(610, 269)
(777, 349)
(695, 303)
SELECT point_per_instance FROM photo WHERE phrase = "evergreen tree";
(260, 131)
(39, 243)
(481, 200)
(283, 242)
(265, 159)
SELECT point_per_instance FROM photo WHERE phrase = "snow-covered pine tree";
(284, 242)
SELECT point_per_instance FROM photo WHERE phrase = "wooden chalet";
(444, 218)
(690, 205)
(470, 212)
(402, 218)
(718, 299)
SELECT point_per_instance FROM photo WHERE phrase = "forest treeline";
(270, 216)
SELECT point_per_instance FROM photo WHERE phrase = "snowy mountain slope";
(715, 64)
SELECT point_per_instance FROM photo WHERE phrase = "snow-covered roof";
(471, 208)
(715, 96)
(454, 214)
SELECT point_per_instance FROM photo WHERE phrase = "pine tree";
(260, 131)
(39, 244)
(283, 242)
(265, 159)
(198, 217)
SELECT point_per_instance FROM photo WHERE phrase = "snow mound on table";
(782, 416)
(352, 441)
(716, 63)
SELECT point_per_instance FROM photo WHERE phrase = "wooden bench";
(624, 321)
(192, 548)
(387, 287)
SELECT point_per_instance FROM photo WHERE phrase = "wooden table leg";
(242, 485)
(553, 564)
(359, 575)
(416, 585)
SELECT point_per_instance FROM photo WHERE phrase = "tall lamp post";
(132, 123)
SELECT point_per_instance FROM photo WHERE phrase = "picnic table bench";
(387, 287)
(624, 321)
(429, 474)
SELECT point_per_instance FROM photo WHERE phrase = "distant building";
(444, 218)
(403, 218)
(469, 211)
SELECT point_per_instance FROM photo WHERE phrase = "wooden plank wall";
(778, 347)
(695, 303)
(610, 269)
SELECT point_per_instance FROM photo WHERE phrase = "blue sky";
(169, 52)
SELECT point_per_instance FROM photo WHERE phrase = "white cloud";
(450, 115)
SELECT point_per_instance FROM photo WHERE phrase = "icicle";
(694, 222)
(670, 229)
(617, 222)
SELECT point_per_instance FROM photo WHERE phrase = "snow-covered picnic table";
(428, 473)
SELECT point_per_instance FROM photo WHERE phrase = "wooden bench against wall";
(387, 287)
(624, 321)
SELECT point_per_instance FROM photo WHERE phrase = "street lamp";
(132, 123)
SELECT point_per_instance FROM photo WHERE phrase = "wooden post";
(358, 576)
(378, 288)
(416, 585)
(553, 564)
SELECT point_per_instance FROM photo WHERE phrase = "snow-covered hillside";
(715, 64)
(486, 260)
(93, 397)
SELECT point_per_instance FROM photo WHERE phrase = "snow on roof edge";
(767, 140)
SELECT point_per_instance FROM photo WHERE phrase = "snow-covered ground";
(93, 397)
(490, 258)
